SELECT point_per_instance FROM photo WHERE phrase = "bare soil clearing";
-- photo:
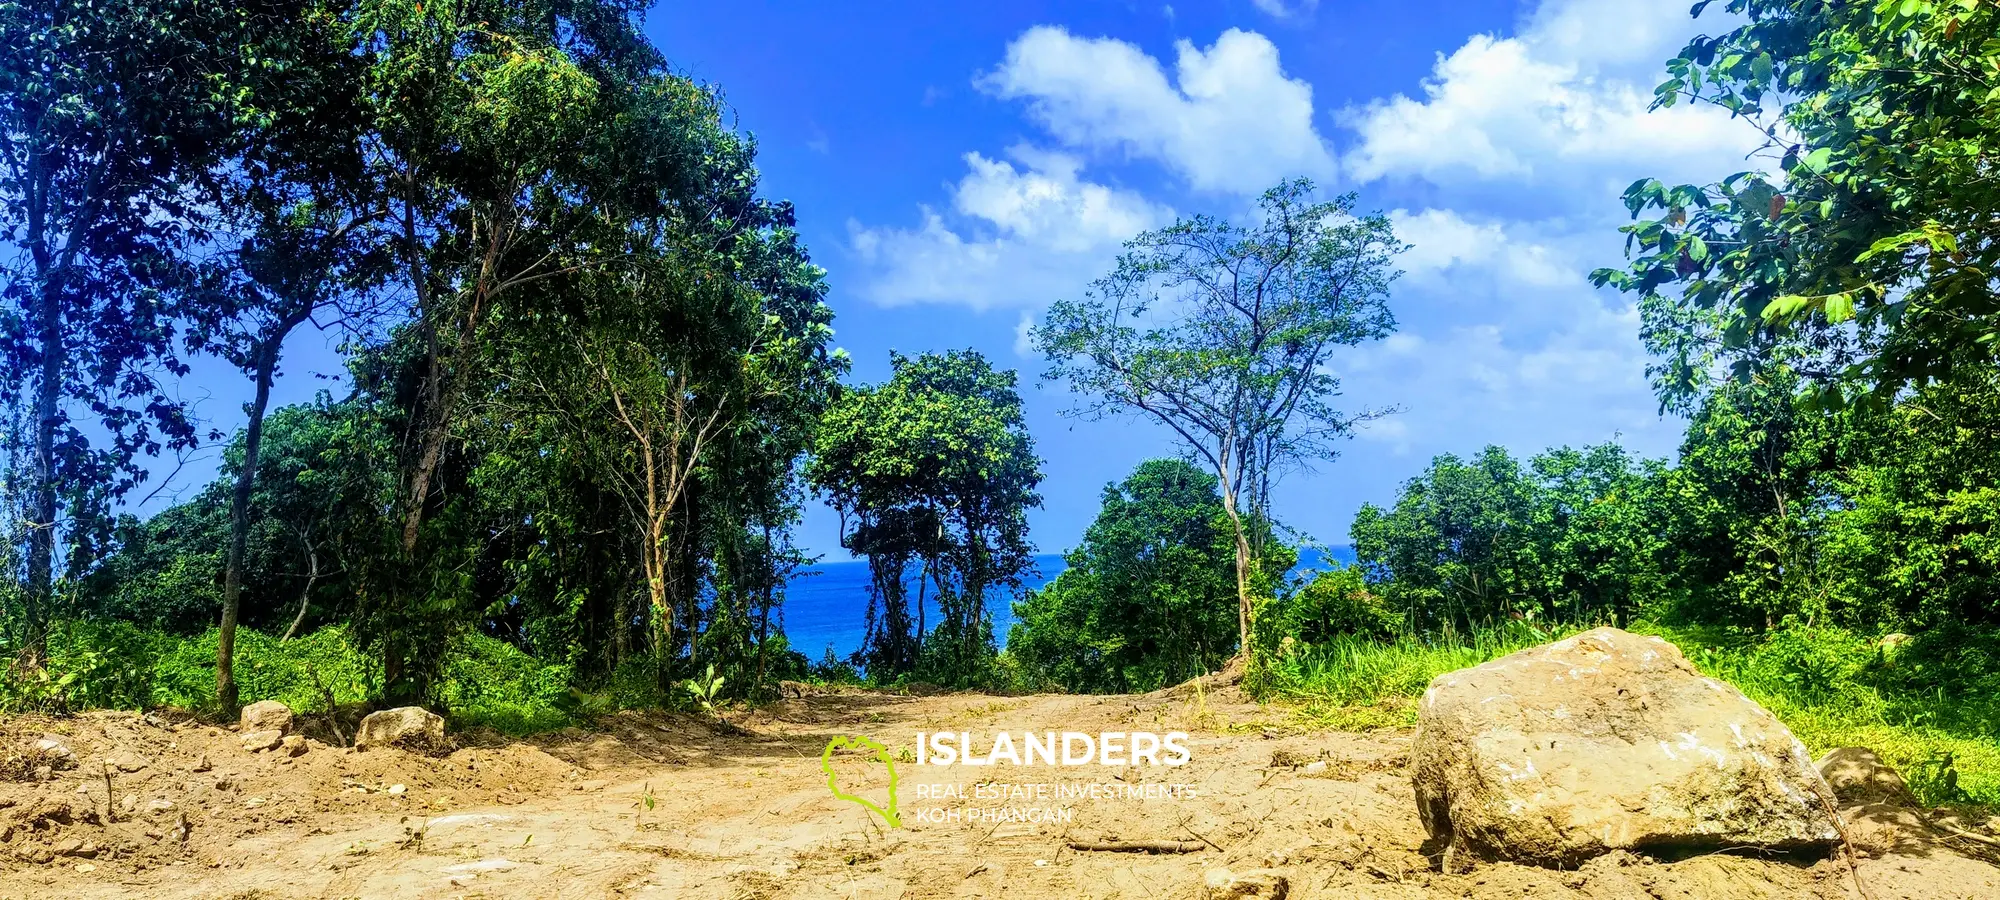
(745, 812)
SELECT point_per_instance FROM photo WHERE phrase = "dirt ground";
(668, 806)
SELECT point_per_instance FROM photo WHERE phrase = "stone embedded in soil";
(1607, 741)
(1857, 775)
(266, 715)
(1222, 884)
(259, 741)
(408, 727)
(74, 846)
(293, 745)
(125, 761)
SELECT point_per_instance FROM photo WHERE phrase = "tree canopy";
(1865, 248)
(933, 469)
(1225, 333)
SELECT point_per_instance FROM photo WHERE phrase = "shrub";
(299, 673)
(1335, 603)
(491, 682)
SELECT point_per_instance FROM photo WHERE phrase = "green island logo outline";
(841, 742)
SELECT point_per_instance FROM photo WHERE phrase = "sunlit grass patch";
(1832, 688)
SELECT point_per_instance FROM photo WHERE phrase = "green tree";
(101, 149)
(1597, 515)
(1572, 535)
(1148, 599)
(307, 243)
(1873, 250)
(1225, 334)
(1915, 540)
(934, 467)
(1754, 493)
(1458, 547)
(317, 487)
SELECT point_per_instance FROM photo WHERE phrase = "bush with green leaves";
(117, 665)
(491, 682)
(1149, 598)
(1335, 603)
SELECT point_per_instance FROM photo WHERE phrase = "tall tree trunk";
(48, 415)
(48, 410)
(239, 528)
(1242, 569)
(923, 600)
(770, 586)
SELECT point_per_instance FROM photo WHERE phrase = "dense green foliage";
(117, 665)
(935, 472)
(1874, 247)
(1776, 509)
(577, 429)
(1569, 536)
(1149, 598)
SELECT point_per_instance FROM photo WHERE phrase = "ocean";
(827, 606)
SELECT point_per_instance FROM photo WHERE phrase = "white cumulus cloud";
(1016, 235)
(1230, 120)
(1563, 104)
(1282, 10)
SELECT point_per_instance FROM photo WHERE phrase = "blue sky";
(958, 166)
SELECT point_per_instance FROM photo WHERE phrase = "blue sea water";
(827, 607)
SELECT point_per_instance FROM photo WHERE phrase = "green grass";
(1936, 720)
(116, 665)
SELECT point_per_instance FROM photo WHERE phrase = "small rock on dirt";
(266, 715)
(293, 745)
(54, 752)
(1604, 741)
(125, 761)
(201, 764)
(259, 741)
(1222, 884)
(409, 727)
(1857, 775)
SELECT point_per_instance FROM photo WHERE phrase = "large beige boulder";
(408, 727)
(266, 715)
(1607, 741)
